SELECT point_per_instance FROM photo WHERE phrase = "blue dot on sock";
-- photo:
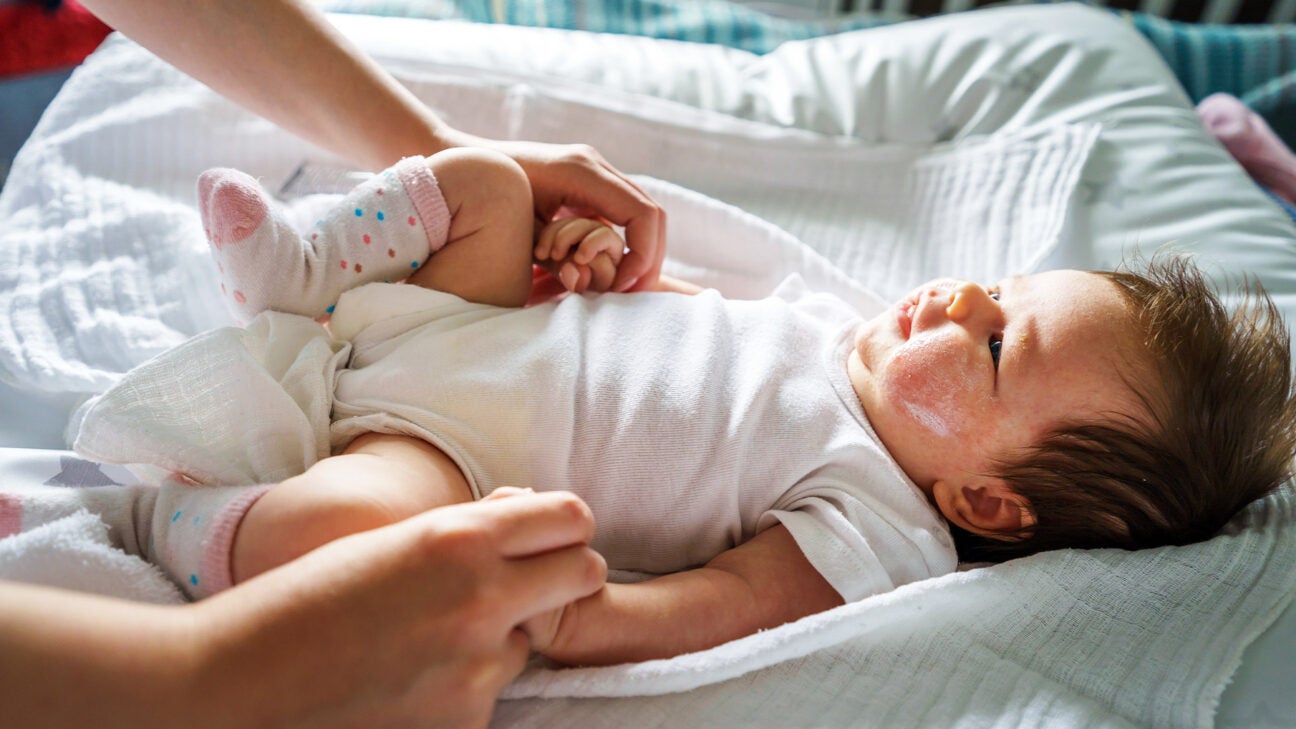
(193, 579)
(414, 264)
(196, 518)
(177, 516)
(359, 213)
(380, 215)
(331, 308)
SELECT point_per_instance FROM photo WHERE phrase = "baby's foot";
(1251, 142)
(381, 231)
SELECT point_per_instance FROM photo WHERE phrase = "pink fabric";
(1251, 142)
(216, 570)
(423, 190)
(231, 210)
(10, 515)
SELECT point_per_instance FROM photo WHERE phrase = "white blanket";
(102, 265)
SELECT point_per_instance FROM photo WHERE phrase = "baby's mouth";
(904, 316)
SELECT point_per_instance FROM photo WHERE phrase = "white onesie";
(687, 423)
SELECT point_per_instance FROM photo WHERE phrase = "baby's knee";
(296, 517)
(476, 174)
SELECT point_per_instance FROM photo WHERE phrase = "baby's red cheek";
(930, 382)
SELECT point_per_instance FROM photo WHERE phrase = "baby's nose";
(963, 300)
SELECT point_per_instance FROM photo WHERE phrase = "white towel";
(73, 552)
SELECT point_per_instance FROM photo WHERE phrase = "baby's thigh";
(378, 480)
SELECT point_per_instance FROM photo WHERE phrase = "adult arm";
(760, 584)
(283, 60)
(414, 623)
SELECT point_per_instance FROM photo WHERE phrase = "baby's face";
(956, 374)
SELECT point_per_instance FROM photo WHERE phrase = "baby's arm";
(760, 584)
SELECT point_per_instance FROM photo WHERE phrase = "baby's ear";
(987, 508)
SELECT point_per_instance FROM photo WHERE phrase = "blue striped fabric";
(1256, 63)
(699, 21)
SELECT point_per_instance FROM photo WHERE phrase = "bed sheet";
(1151, 173)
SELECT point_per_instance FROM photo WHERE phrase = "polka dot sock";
(382, 230)
(191, 533)
(1251, 142)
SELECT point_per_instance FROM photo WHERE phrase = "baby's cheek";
(929, 380)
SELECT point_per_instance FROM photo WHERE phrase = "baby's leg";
(378, 480)
(381, 231)
(488, 256)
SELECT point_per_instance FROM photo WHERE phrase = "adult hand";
(415, 622)
(577, 177)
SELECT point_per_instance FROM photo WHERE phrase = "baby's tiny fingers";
(602, 240)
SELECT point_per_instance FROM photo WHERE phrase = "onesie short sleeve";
(864, 547)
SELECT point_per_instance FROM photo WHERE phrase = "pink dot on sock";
(367, 240)
(391, 252)
(358, 268)
(380, 191)
(223, 291)
(344, 265)
(239, 297)
(314, 236)
(411, 220)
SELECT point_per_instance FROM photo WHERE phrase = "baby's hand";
(582, 253)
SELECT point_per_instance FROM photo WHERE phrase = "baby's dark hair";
(1219, 429)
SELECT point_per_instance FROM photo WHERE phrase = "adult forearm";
(70, 659)
(284, 61)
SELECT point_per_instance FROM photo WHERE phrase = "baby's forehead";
(1087, 338)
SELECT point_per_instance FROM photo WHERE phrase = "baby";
(757, 461)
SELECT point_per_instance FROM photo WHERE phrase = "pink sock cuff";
(423, 190)
(217, 573)
(10, 515)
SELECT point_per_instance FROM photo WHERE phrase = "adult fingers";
(644, 222)
(502, 492)
(618, 200)
(549, 581)
(527, 524)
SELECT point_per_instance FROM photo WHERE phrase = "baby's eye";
(996, 344)
(994, 293)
